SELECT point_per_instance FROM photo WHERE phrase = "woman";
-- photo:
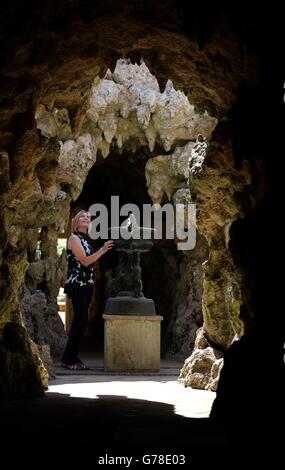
(79, 284)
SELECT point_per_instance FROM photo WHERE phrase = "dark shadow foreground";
(108, 426)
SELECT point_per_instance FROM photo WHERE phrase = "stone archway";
(148, 123)
(126, 111)
(170, 277)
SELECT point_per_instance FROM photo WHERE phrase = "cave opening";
(122, 174)
(139, 143)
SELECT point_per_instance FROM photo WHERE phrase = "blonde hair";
(75, 220)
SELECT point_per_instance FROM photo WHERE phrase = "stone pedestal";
(132, 343)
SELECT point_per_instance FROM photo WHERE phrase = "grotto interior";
(155, 102)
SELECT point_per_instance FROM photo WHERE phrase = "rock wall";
(22, 372)
(38, 295)
(187, 314)
(215, 188)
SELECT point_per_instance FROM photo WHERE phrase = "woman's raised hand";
(108, 245)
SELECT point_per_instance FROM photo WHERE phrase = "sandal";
(81, 365)
(72, 366)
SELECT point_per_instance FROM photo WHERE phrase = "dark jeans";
(80, 299)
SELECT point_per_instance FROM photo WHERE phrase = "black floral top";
(78, 274)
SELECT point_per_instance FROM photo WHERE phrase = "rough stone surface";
(201, 369)
(22, 373)
(125, 106)
(44, 327)
(215, 375)
(43, 351)
(216, 214)
(188, 315)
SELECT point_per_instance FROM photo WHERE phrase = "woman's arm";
(74, 245)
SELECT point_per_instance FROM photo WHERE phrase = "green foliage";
(61, 245)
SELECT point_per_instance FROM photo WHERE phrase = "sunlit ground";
(164, 389)
(186, 401)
